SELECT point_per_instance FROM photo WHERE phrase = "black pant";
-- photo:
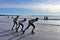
(15, 23)
(21, 25)
(29, 26)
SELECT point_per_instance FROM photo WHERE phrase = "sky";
(30, 7)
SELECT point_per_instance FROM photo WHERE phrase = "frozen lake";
(45, 30)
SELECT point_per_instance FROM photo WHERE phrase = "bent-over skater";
(31, 24)
(21, 23)
(15, 22)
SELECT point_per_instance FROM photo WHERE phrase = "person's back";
(33, 20)
(15, 19)
(22, 20)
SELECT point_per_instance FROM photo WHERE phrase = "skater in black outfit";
(31, 24)
(21, 23)
(15, 22)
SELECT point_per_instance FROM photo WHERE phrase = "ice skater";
(31, 24)
(21, 23)
(15, 22)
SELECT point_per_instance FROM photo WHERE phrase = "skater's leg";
(26, 28)
(16, 24)
(16, 27)
(33, 28)
(13, 26)
(22, 27)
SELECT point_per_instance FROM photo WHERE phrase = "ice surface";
(45, 30)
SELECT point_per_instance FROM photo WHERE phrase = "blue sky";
(30, 7)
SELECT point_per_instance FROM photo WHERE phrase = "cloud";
(48, 5)
(43, 7)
